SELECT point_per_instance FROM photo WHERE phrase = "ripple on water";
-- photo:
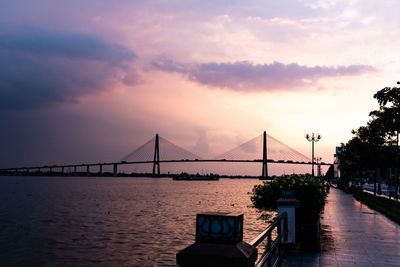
(83, 221)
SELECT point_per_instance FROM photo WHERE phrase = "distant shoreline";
(133, 175)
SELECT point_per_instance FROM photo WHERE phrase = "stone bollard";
(289, 205)
(219, 242)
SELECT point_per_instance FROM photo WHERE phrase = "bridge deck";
(162, 161)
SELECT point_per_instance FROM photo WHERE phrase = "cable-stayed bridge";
(262, 149)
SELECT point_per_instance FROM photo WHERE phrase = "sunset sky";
(89, 81)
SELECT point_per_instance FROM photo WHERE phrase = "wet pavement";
(352, 235)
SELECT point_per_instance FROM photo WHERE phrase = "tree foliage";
(372, 145)
(388, 114)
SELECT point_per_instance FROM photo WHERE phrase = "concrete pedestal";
(289, 205)
(217, 255)
(219, 242)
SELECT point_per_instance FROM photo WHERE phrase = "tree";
(370, 147)
(330, 173)
(388, 115)
(350, 159)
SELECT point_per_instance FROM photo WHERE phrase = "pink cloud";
(246, 76)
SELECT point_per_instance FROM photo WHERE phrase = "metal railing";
(271, 255)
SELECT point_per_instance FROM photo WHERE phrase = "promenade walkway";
(353, 235)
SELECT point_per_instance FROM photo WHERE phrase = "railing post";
(219, 242)
(269, 242)
(279, 229)
(289, 206)
(285, 227)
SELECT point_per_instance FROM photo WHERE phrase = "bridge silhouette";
(262, 149)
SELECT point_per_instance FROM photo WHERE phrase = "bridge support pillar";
(115, 169)
(87, 170)
(62, 170)
(100, 169)
(264, 162)
(156, 161)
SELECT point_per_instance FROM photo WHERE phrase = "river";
(88, 221)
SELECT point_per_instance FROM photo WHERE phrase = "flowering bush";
(309, 190)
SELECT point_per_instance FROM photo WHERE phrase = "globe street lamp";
(312, 139)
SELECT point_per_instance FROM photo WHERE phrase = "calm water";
(80, 221)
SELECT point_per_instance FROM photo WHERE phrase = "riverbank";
(120, 174)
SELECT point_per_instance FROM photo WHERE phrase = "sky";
(90, 81)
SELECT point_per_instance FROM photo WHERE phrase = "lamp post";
(318, 159)
(396, 159)
(312, 139)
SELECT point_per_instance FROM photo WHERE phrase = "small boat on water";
(187, 177)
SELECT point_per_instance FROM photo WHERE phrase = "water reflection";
(75, 221)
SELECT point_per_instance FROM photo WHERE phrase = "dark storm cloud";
(248, 77)
(40, 67)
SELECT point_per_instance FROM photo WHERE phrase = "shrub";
(309, 190)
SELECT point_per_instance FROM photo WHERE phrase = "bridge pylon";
(264, 162)
(156, 161)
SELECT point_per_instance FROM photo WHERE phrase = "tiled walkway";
(353, 235)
